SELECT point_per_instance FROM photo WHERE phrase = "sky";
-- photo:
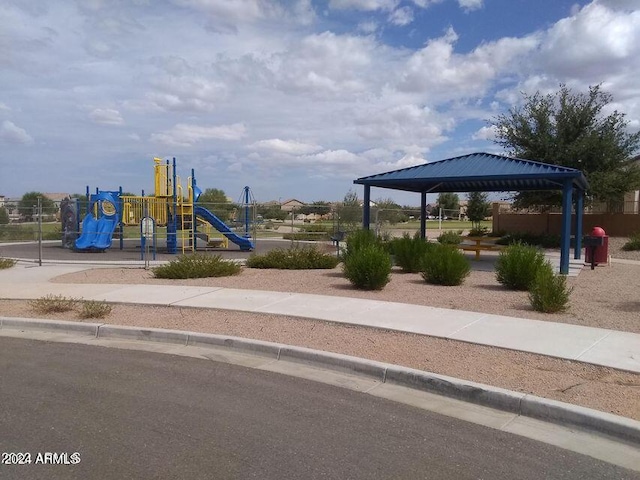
(294, 98)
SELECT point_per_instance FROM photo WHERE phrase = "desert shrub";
(53, 234)
(409, 252)
(53, 304)
(360, 239)
(548, 292)
(95, 309)
(6, 263)
(445, 265)
(450, 237)
(293, 259)
(316, 227)
(517, 266)
(197, 266)
(543, 240)
(368, 267)
(633, 243)
(308, 236)
(479, 232)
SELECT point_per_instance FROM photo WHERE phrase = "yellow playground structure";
(168, 207)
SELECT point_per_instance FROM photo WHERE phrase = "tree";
(27, 206)
(318, 207)
(478, 208)
(449, 203)
(216, 201)
(4, 216)
(271, 212)
(350, 212)
(570, 129)
(389, 211)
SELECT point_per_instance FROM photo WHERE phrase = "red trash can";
(601, 252)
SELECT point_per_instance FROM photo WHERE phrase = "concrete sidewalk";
(598, 346)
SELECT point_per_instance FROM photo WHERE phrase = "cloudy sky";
(295, 98)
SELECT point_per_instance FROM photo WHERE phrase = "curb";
(485, 395)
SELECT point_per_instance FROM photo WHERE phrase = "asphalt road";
(129, 414)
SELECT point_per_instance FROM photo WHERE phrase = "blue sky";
(295, 98)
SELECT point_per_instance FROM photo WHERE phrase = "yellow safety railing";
(134, 209)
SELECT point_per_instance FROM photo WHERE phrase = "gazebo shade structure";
(485, 172)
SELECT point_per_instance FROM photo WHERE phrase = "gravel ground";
(606, 297)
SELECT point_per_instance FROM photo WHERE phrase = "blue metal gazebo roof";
(477, 172)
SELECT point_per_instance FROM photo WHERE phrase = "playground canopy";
(485, 172)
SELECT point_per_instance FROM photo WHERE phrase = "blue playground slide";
(96, 234)
(244, 243)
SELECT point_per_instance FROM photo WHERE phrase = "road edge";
(518, 403)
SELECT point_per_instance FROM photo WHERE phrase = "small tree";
(28, 203)
(389, 211)
(216, 200)
(350, 212)
(4, 216)
(448, 201)
(478, 208)
(318, 208)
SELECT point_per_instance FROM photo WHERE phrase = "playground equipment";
(168, 207)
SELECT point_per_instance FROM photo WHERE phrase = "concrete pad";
(617, 349)
(547, 338)
(438, 322)
(152, 294)
(323, 307)
(34, 273)
(234, 299)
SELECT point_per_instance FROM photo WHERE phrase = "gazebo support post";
(366, 208)
(423, 215)
(577, 248)
(565, 238)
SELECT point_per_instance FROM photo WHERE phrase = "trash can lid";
(598, 232)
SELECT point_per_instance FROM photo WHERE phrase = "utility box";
(596, 247)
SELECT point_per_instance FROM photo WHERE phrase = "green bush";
(53, 304)
(450, 237)
(6, 263)
(293, 259)
(548, 292)
(409, 252)
(95, 309)
(360, 239)
(479, 232)
(308, 236)
(197, 266)
(543, 240)
(368, 267)
(633, 243)
(517, 266)
(445, 265)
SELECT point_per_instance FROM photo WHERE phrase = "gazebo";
(485, 172)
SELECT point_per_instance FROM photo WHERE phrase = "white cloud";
(485, 133)
(365, 5)
(442, 74)
(4, 107)
(11, 133)
(186, 93)
(291, 147)
(401, 17)
(185, 135)
(106, 116)
(469, 5)
(592, 43)
(327, 65)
